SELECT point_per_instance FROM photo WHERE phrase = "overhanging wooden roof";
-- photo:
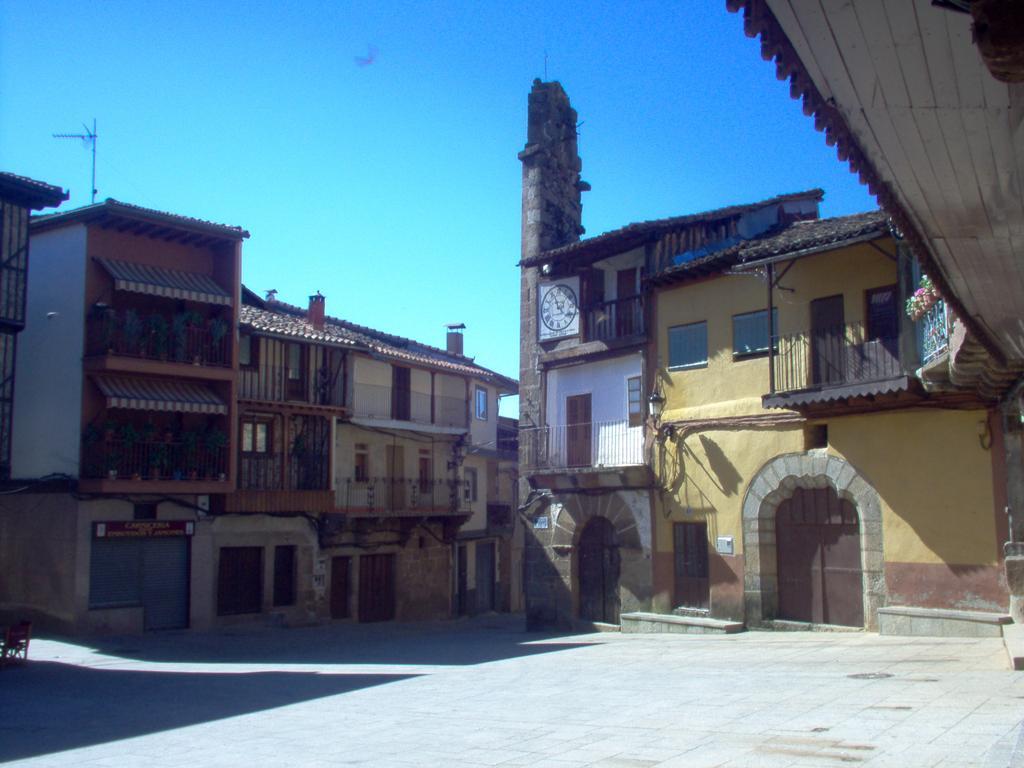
(902, 92)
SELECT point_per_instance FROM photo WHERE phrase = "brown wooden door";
(828, 335)
(818, 549)
(625, 288)
(401, 393)
(883, 330)
(577, 430)
(485, 577)
(462, 580)
(599, 572)
(339, 587)
(690, 544)
(395, 456)
(376, 587)
(295, 372)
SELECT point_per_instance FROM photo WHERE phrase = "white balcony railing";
(579, 446)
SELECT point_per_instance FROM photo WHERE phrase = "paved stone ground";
(482, 693)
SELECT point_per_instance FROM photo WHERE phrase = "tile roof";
(640, 232)
(34, 194)
(111, 209)
(279, 318)
(794, 239)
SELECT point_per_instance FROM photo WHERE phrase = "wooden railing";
(616, 319)
(271, 383)
(833, 356)
(382, 402)
(400, 495)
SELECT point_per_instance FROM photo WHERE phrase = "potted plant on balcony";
(190, 446)
(179, 328)
(214, 441)
(192, 319)
(158, 456)
(132, 331)
(922, 299)
(218, 330)
(157, 327)
(129, 439)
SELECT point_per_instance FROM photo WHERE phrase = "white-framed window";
(480, 408)
(469, 490)
(634, 401)
(750, 332)
(688, 345)
(255, 436)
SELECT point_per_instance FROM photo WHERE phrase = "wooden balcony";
(153, 466)
(618, 319)
(280, 384)
(401, 497)
(389, 403)
(592, 454)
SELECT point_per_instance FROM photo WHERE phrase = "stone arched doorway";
(598, 569)
(776, 483)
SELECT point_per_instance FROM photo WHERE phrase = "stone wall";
(423, 578)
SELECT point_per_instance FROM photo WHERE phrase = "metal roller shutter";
(165, 583)
(114, 574)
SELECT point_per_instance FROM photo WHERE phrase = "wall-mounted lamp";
(656, 404)
(984, 435)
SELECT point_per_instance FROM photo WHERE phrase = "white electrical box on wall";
(724, 545)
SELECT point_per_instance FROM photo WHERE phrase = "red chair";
(16, 640)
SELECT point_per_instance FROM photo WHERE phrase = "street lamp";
(656, 403)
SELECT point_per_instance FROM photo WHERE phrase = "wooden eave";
(874, 170)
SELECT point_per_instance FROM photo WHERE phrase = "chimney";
(315, 316)
(454, 345)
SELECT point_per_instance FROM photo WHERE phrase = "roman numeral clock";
(559, 309)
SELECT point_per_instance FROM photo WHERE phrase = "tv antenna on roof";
(89, 136)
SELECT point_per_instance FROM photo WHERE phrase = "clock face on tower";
(559, 309)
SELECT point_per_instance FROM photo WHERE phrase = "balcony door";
(577, 430)
(625, 288)
(296, 372)
(395, 455)
(828, 334)
(401, 394)
(883, 330)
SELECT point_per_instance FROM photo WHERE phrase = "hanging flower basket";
(923, 299)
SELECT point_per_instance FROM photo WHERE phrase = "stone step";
(641, 622)
(1013, 638)
(940, 622)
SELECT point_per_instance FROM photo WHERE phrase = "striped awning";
(171, 283)
(160, 395)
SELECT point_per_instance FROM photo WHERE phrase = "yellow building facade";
(823, 480)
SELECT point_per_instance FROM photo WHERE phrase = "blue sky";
(393, 187)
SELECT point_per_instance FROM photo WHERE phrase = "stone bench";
(940, 622)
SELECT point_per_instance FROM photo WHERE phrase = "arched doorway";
(599, 572)
(819, 558)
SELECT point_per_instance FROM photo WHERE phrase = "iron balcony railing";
(401, 495)
(272, 383)
(834, 356)
(933, 330)
(119, 459)
(382, 402)
(593, 444)
(616, 319)
(175, 338)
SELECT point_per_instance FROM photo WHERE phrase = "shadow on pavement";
(49, 707)
(452, 643)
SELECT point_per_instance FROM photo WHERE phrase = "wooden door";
(818, 553)
(295, 372)
(401, 393)
(599, 572)
(376, 587)
(462, 580)
(625, 290)
(485, 576)
(340, 587)
(577, 430)
(883, 331)
(828, 336)
(690, 545)
(395, 455)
